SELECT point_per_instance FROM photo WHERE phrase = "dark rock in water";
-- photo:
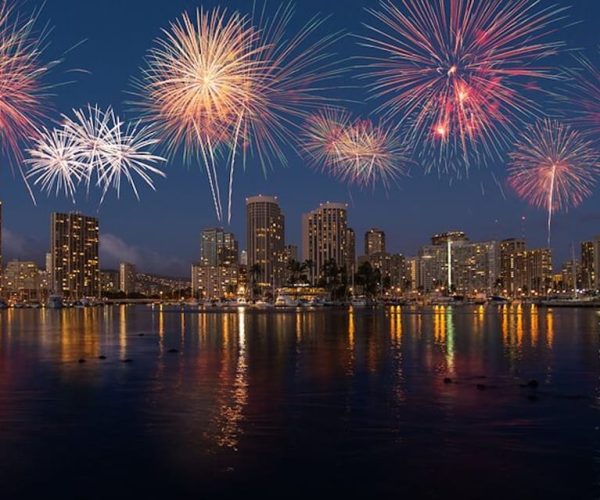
(532, 397)
(481, 387)
(81, 360)
(172, 351)
(127, 360)
(101, 357)
(447, 380)
(533, 384)
(141, 334)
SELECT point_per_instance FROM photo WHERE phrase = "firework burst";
(197, 82)
(583, 96)
(553, 167)
(359, 152)
(94, 147)
(22, 89)
(224, 85)
(55, 163)
(459, 73)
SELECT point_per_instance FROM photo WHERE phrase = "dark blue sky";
(162, 231)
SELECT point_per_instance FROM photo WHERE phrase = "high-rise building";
(412, 273)
(570, 276)
(324, 233)
(350, 249)
(374, 242)
(218, 248)
(449, 236)
(588, 264)
(265, 239)
(127, 278)
(392, 268)
(510, 255)
(75, 262)
(454, 261)
(535, 272)
(475, 266)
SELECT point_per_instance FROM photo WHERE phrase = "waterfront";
(315, 402)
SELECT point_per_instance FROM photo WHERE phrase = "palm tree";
(255, 272)
(309, 264)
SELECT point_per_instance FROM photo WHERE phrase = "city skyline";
(112, 260)
(475, 205)
(450, 262)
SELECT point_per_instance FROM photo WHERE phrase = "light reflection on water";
(353, 401)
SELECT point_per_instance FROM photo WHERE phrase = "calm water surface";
(316, 403)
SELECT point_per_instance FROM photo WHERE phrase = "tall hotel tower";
(74, 240)
(265, 238)
(324, 236)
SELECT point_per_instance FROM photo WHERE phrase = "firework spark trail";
(458, 73)
(551, 201)
(357, 152)
(94, 144)
(553, 167)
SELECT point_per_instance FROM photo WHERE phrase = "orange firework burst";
(223, 83)
(358, 152)
(553, 167)
(458, 73)
(22, 91)
(198, 79)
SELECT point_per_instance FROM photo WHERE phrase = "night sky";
(161, 233)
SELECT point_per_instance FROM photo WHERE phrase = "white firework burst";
(55, 163)
(95, 147)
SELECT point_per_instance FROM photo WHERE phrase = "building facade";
(127, 278)
(374, 242)
(215, 282)
(75, 260)
(218, 248)
(453, 262)
(110, 281)
(23, 281)
(324, 236)
(265, 239)
(590, 264)
(510, 251)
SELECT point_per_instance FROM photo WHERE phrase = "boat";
(443, 301)
(498, 301)
(285, 301)
(261, 304)
(3, 304)
(571, 302)
(55, 302)
(358, 302)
